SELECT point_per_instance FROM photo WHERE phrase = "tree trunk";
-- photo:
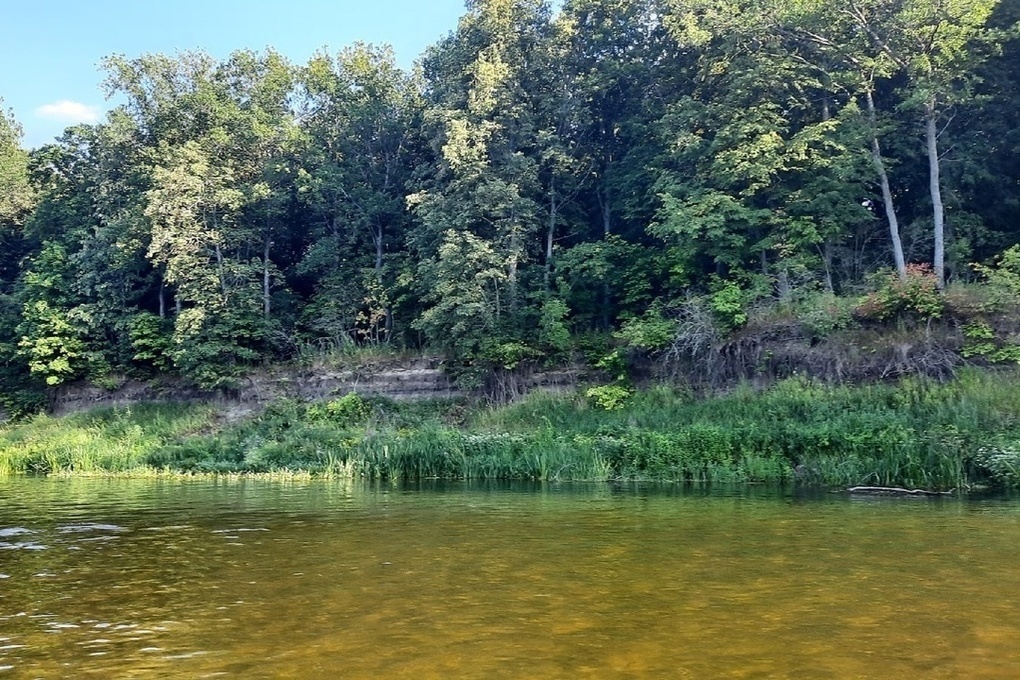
(935, 187)
(887, 199)
(221, 274)
(511, 271)
(513, 262)
(827, 262)
(265, 276)
(827, 245)
(550, 233)
(607, 225)
(377, 237)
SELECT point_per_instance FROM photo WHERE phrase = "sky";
(50, 51)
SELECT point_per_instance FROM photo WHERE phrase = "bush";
(824, 313)
(650, 331)
(553, 332)
(728, 305)
(917, 297)
(1004, 277)
(152, 340)
(609, 397)
(346, 411)
(980, 341)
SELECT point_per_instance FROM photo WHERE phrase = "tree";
(195, 209)
(219, 139)
(84, 245)
(16, 196)
(17, 200)
(484, 83)
(623, 70)
(361, 114)
(935, 47)
(985, 167)
(756, 173)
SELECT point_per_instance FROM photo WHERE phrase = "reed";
(105, 440)
(915, 433)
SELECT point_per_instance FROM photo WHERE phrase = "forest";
(610, 178)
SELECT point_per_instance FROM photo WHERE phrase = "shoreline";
(915, 434)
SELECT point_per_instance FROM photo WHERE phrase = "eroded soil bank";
(420, 378)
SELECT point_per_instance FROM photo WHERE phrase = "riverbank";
(918, 434)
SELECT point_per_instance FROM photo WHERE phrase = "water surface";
(130, 578)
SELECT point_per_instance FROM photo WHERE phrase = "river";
(305, 579)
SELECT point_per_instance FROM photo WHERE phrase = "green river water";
(154, 579)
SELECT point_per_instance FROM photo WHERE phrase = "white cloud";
(67, 111)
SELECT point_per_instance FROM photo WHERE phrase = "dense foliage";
(539, 177)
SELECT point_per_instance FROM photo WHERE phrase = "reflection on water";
(111, 578)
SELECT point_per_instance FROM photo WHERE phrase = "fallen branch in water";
(897, 491)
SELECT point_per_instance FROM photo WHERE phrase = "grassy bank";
(917, 434)
(101, 441)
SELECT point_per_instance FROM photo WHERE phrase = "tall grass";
(343, 352)
(916, 433)
(430, 451)
(105, 440)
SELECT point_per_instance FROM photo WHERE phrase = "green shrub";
(615, 364)
(824, 313)
(650, 331)
(728, 305)
(1003, 278)
(152, 340)
(981, 341)
(553, 332)
(506, 355)
(917, 296)
(609, 397)
(346, 411)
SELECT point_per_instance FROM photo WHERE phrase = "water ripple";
(4, 545)
(86, 527)
(6, 532)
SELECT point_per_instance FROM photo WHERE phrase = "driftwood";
(896, 491)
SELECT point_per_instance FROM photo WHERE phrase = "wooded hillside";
(542, 182)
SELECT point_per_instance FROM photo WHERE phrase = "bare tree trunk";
(511, 273)
(377, 238)
(550, 234)
(607, 213)
(265, 275)
(513, 262)
(221, 274)
(827, 261)
(935, 187)
(827, 245)
(887, 199)
(162, 297)
(607, 224)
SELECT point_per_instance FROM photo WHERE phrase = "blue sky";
(50, 51)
